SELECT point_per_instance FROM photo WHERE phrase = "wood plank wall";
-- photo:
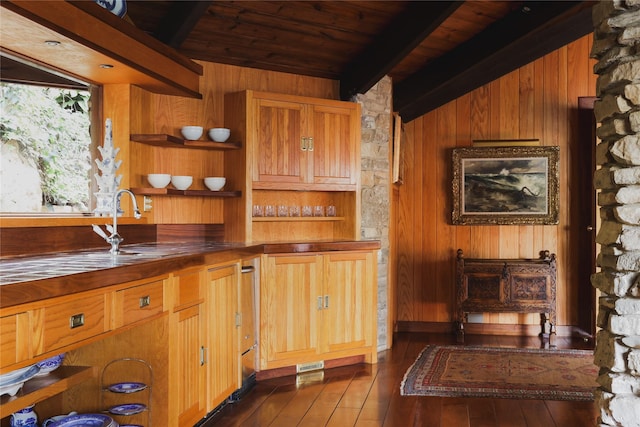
(539, 101)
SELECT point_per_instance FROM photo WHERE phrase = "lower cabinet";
(203, 365)
(317, 307)
(222, 360)
(187, 370)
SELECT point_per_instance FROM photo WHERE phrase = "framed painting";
(505, 185)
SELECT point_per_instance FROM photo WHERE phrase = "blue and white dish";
(127, 409)
(12, 382)
(85, 420)
(127, 387)
(117, 7)
(50, 364)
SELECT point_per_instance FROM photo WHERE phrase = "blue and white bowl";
(50, 364)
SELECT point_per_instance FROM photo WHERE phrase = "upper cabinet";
(301, 143)
(89, 36)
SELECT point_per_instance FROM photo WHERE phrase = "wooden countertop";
(47, 276)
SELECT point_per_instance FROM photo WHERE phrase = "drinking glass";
(294, 210)
(307, 211)
(283, 210)
(269, 210)
(318, 210)
(331, 210)
(258, 210)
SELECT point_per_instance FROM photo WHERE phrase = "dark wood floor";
(369, 395)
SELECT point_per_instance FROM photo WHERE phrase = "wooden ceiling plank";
(402, 35)
(517, 40)
(182, 17)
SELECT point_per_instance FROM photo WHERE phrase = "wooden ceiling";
(434, 51)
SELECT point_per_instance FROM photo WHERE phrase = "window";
(46, 149)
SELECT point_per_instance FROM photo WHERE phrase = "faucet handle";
(99, 232)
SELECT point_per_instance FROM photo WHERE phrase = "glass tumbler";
(307, 211)
(283, 210)
(269, 210)
(318, 210)
(258, 210)
(294, 210)
(331, 210)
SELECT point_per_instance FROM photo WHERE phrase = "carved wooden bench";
(507, 285)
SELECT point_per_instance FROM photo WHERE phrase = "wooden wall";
(163, 114)
(539, 101)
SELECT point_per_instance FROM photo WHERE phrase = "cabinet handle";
(145, 301)
(310, 145)
(303, 143)
(320, 302)
(238, 320)
(76, 321)
(326, 301)
(203, 353)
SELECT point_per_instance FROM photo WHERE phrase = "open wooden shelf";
(173, 192)
(41, 388)
(296, 218)
(164, 140)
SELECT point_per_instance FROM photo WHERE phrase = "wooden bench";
(507, 285)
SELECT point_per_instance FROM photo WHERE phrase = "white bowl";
(181, 182)
(214, 183)
(191, 133)
(219, 134)
(159, 180)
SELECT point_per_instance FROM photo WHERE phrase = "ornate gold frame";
(521, 204)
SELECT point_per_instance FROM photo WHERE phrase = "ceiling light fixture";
(52, 42)
(106, 66)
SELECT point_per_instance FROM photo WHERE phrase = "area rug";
(509, 373)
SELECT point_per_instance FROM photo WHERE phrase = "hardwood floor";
(369, 395)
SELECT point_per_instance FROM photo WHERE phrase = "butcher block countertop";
(34, 278)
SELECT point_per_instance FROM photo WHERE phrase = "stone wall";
(617, 48)
(376, 201)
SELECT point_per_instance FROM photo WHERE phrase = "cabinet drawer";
(13, 335)
(187, 289)
(73, 321)
(138, 303)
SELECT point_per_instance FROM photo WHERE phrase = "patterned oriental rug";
(508, 373)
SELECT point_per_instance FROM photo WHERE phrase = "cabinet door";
(222, 287)
(277, 149)
(187, 369)
(333, 151)
(350, 292)
(289, 292)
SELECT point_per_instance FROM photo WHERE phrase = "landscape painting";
(505, 185)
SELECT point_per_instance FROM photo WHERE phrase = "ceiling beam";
(391, 46)
(523, 36)
(181, 18)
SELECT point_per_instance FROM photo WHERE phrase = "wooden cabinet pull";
(76, 321)
(145, 301)
(320, 302)
(303, 143)
(310, 144)
(326, 301)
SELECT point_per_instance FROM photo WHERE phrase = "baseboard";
(484, 329)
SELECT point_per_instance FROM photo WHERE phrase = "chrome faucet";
(115, 239)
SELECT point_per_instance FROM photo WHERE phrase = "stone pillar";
(616, 46)
(376, 201)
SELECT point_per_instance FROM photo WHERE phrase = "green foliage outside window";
(51, 127)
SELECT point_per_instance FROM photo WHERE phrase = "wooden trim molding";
(90, 36)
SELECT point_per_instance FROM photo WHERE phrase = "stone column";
(376, 136)
(616, 46)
